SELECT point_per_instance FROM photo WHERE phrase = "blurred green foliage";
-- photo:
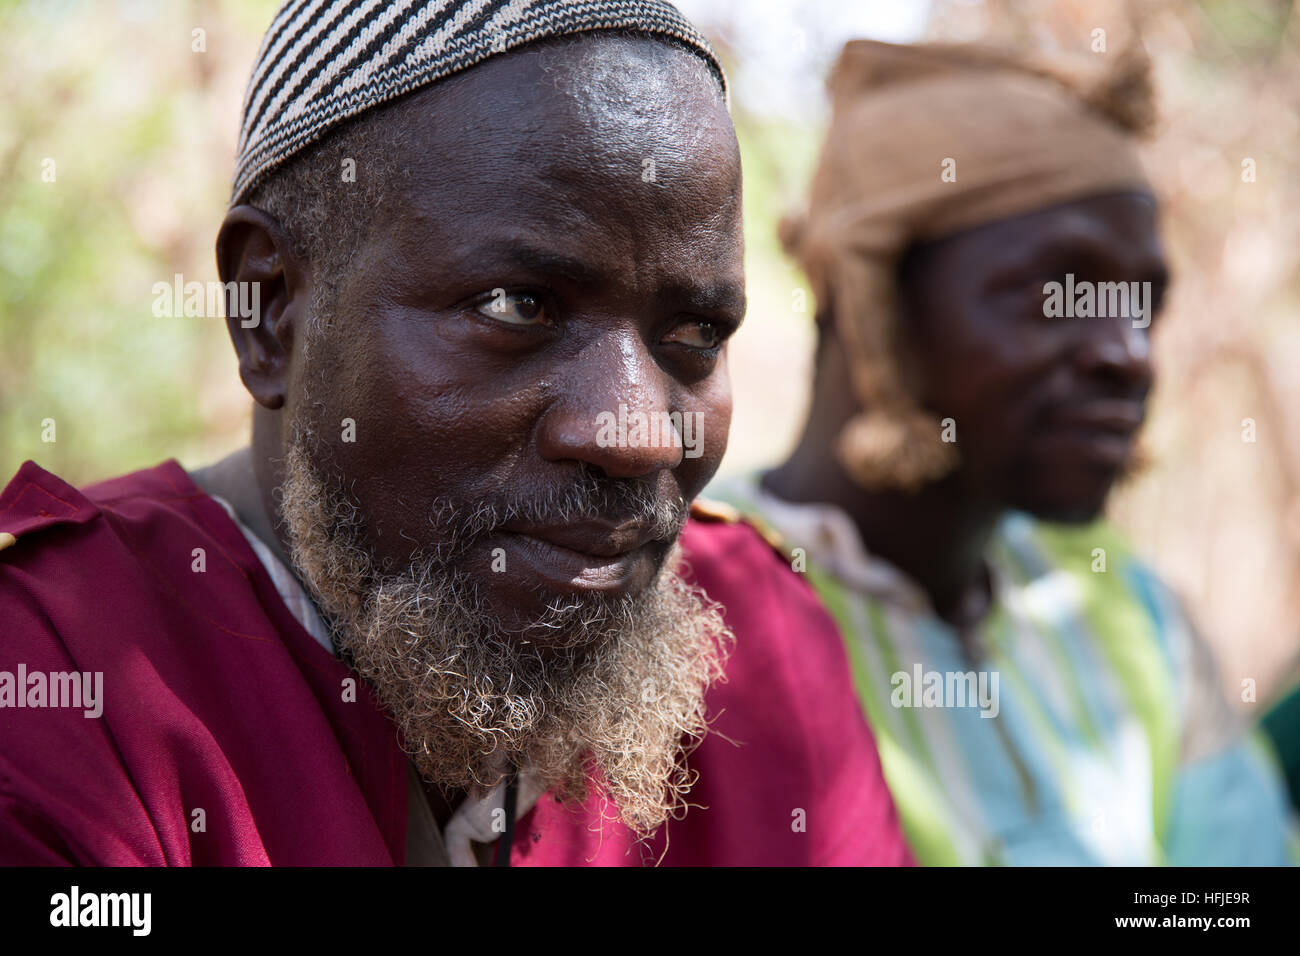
(115, 148)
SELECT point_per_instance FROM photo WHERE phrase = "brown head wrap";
(1018, 135)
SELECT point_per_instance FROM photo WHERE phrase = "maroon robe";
(216, 700)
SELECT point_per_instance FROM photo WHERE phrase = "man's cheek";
(718, 431)
(704, 450)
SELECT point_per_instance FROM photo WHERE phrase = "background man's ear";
(267, 294)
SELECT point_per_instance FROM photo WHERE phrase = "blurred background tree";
(132, 107)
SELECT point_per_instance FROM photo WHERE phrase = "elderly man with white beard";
(431, 615)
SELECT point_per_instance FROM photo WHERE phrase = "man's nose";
(1117, 350)
(614, 412)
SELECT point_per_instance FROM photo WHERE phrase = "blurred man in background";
(982, 242)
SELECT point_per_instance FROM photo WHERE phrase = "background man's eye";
(517, 308)
(699, 335)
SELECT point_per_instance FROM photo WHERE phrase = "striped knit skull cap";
(325, 61)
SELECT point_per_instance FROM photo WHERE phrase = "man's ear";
(267, 295)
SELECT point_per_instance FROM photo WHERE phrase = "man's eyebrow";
(1072, 244)
(720, 297)
(545, 262)
(1081, 247)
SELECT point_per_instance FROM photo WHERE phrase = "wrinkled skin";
(1046, 409)
(617, 290)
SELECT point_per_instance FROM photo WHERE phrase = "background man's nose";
(614, 413)
(1115, 349)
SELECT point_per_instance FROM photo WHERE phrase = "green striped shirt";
(1081, 723)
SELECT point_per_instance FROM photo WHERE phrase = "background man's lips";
(1101, 446)
(1113, 416)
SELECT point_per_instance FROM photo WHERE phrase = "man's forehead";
(324, 62)
(1093, 222)
(557, 159)
(564, 97)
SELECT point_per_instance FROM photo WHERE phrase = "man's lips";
(584, 556)
(593, 539)
(1117, 416)
(1102, 430)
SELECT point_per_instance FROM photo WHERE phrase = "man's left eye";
(516, 308)
(698, 335)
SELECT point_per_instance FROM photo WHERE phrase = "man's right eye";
(514, 308)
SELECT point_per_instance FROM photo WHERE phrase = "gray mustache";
(591, 497)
